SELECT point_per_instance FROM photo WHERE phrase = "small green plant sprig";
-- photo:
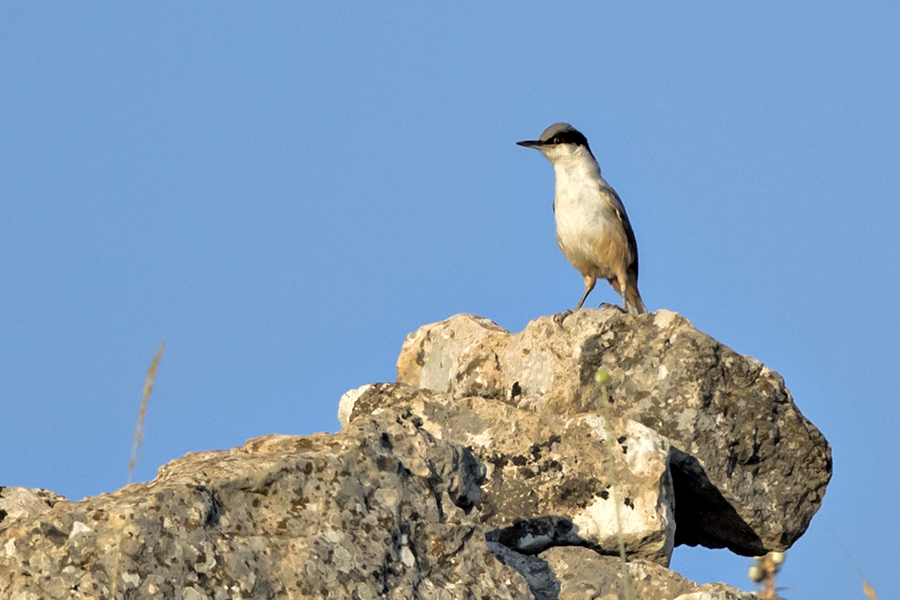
(602, 379)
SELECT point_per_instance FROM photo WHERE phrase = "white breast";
(584, 211)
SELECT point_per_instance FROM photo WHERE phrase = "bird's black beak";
(531, 143)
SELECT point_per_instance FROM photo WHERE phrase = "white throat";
(575, 169)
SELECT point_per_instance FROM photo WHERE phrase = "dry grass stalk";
(868, 590)
(135, 447)
(139, 430)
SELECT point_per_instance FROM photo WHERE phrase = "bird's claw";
(558, 318)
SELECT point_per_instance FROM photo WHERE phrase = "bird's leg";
(589, 283)
(620, 284)
(626, 306)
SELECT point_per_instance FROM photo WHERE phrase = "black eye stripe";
(560, 134)
(569, 137)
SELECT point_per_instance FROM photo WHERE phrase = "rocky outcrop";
(498, 466)
(549, 478)
(749, 469)
(382, 509)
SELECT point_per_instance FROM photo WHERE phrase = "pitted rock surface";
(749, 469)
(485, 472)
(382, 509)
(549, 478)
(576, 573)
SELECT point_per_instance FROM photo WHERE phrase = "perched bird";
(592, 229)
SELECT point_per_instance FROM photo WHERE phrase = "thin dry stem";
(868, 590)
(135, 447)
(139, 430)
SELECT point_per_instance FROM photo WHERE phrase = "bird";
(592, 228)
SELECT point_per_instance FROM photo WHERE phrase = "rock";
(574, 573)
(548, 477)
(382, 509)
(749, 469)
(18, 503)
(487, 471)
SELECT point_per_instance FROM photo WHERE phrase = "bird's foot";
(558, 318)
(616, 306)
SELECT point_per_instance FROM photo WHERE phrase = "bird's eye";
(557, 140)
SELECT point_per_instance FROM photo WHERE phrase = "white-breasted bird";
(592, 229)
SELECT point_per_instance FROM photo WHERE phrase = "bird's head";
(558, 142)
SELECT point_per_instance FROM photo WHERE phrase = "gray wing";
(626, 225)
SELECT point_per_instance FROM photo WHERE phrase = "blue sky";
(284, 192)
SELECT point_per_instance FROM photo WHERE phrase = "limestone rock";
(18, 503)
(485, 472)
(573, 573)
(548, 477)
(382, 509)
(749, 469)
